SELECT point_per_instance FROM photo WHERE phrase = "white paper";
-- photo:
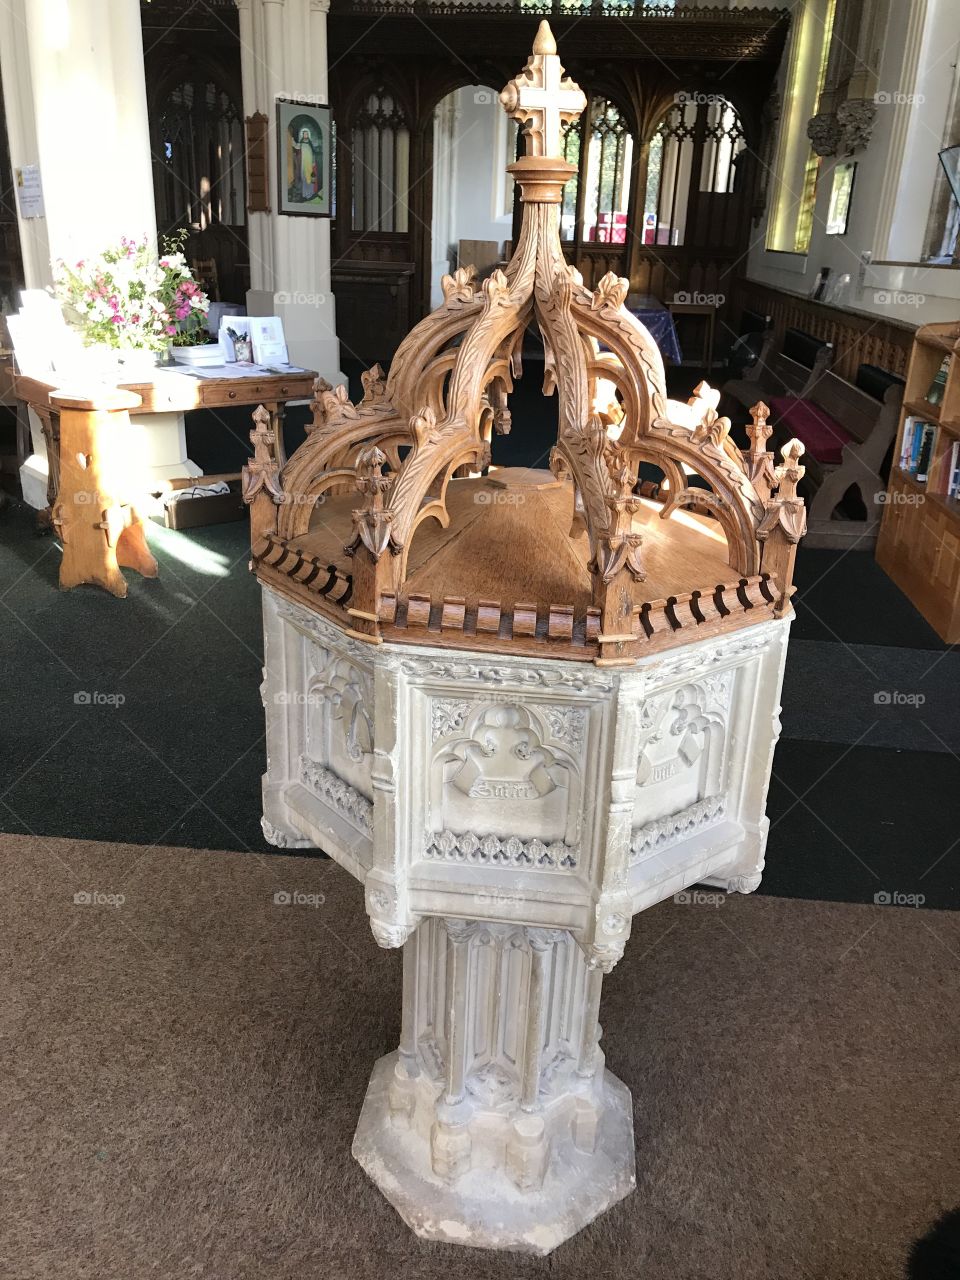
(269, 345)
(29, 347)
(29, 191)
(240, 325)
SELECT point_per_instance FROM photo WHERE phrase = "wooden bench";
(849, 432)
(791, 371)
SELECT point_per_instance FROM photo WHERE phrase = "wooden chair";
(482, 254)
(205, 273)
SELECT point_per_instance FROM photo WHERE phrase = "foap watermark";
(95, 898)
(897, 298)
(895, 898)
(301, 99)
(699, 898)
(684, 299)
(301, 500)
(297, 698)
(301, 299)
(899, 498)
(894, 698)
(894, 98)
(698, 98)
(296, 898)
(499, 497)
(497, 898)
(94, 698)
(484, 97)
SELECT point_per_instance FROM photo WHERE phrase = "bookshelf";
(919, 542)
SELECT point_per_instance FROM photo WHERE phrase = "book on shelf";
(952, 471)
(916, 449)
(939, 383)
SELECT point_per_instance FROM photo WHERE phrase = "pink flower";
(170, 329)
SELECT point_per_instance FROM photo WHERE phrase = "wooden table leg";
(50, 425)
(277, 414)
(95, 510)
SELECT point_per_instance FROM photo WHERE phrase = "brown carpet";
(182, 1075)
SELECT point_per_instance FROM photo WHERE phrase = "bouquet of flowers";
(126, 298)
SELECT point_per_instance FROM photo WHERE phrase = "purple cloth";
(823, 435)
(655, 317)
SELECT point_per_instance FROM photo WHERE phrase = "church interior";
(480, 597)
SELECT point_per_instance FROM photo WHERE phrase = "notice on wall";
(29, 191)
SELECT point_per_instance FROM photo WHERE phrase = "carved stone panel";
(683, 734)
(339, 705)
(505, 771)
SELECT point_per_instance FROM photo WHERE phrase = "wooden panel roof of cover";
(390, 522)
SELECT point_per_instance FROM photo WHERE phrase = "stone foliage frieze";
(664, 832)
(339, 795)
(490, 850)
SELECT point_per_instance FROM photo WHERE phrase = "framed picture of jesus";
(304, 156)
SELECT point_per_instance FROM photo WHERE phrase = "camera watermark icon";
(94, 898)
(894, 698)
(484, 97)
(899, 498)
(94, 698)
(699, 898)
(894, 898)
(684, 299)
(85, 498)
(301, 299)
(295, 898)
(499, 497)
(893, 98)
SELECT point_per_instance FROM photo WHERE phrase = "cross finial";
(542, 98)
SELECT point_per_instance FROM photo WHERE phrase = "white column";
(76, 103)
(497, 1123)
(284, 55)
(446, 118)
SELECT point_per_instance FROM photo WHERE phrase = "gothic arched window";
(380, 163)
(201, 149)
(603, 175)
(698, 133)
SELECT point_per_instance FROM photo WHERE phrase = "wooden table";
(175, 390)
(707, 311)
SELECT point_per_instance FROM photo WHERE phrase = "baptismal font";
(519, 705)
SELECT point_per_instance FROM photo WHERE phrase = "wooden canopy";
(440, 548)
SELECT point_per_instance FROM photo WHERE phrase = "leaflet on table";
(269, 344)
(234, 370)
(265, 334)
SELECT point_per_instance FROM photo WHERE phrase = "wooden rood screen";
(664, 191)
